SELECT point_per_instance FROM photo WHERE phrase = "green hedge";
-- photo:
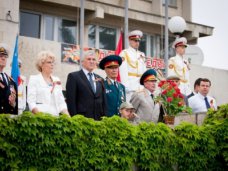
(43, 142)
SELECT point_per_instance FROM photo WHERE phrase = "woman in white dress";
(44, 89)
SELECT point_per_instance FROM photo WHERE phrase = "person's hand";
(12, 99)
(35, 110)
(132, 116)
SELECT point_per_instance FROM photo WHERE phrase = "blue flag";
(15, 72)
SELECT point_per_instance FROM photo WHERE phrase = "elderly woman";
(44, 90)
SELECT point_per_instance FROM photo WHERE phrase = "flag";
(15, 72)
(118, 50)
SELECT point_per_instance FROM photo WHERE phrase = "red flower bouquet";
(171, 99)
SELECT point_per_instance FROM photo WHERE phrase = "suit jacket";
(114, 96)
(46, 98)
(80, 97)
(145, 107)
(5, 92)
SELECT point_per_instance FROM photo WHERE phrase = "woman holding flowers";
(45, 90)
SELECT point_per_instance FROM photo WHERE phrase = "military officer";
(8, 88)
(143, 100)
(133, 65)
(178, 66)
(115, 91)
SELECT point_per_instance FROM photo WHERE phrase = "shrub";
(43, 142)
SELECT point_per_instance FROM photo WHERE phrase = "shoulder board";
(139, 91)
(10, 78)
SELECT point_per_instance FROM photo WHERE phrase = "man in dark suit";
(115, 91)
(85, 92)
(8, 88)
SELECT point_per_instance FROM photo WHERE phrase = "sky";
(215, 48)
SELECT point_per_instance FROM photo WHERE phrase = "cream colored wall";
(9, 26)
(218, 80)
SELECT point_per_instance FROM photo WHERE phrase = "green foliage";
(216, 123)
(155, 147)
(43, 142)
(196, 147)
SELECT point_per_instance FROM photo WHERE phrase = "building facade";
(50, 24)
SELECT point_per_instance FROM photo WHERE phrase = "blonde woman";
(44, 89)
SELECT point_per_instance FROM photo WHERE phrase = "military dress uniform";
(7, 87)
(133, 66)
(115, 95)
(114, 91)
(179, 67)
(143, 100)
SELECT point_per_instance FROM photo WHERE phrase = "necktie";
(4, 80)
(207, 103)
(152, 96)
(115, 84)
(91, 81)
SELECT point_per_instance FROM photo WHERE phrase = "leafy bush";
(43, 142)
(216, 123)
(196, 147)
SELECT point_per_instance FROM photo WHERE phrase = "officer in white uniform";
(179, 66)
(133, 65)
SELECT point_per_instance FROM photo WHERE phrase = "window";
(67, 31)
(162, 46)
(30, 24)
(48, 27)
(143, 43)
(102, 37)
(107, 38)
(92, 36)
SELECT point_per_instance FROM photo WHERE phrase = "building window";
(92, 36)
(67, 31)
(172, 3)
(30, 24)
(48, 27)
(107, 38)
(143, 43)
(102, 37)
(171, 51)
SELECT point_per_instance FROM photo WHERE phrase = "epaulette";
(139, 91)
(108, 80)
(10, 78)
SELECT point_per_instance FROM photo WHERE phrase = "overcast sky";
(215, 48)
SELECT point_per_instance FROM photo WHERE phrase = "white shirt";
(86, 72)
(197, 103)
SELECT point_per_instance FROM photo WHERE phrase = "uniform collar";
(112, 81)
(132, 49)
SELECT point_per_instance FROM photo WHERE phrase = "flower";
(171, 98)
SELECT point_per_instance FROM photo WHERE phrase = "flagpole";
(126, 25)
(166, 39)
(81, 30)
